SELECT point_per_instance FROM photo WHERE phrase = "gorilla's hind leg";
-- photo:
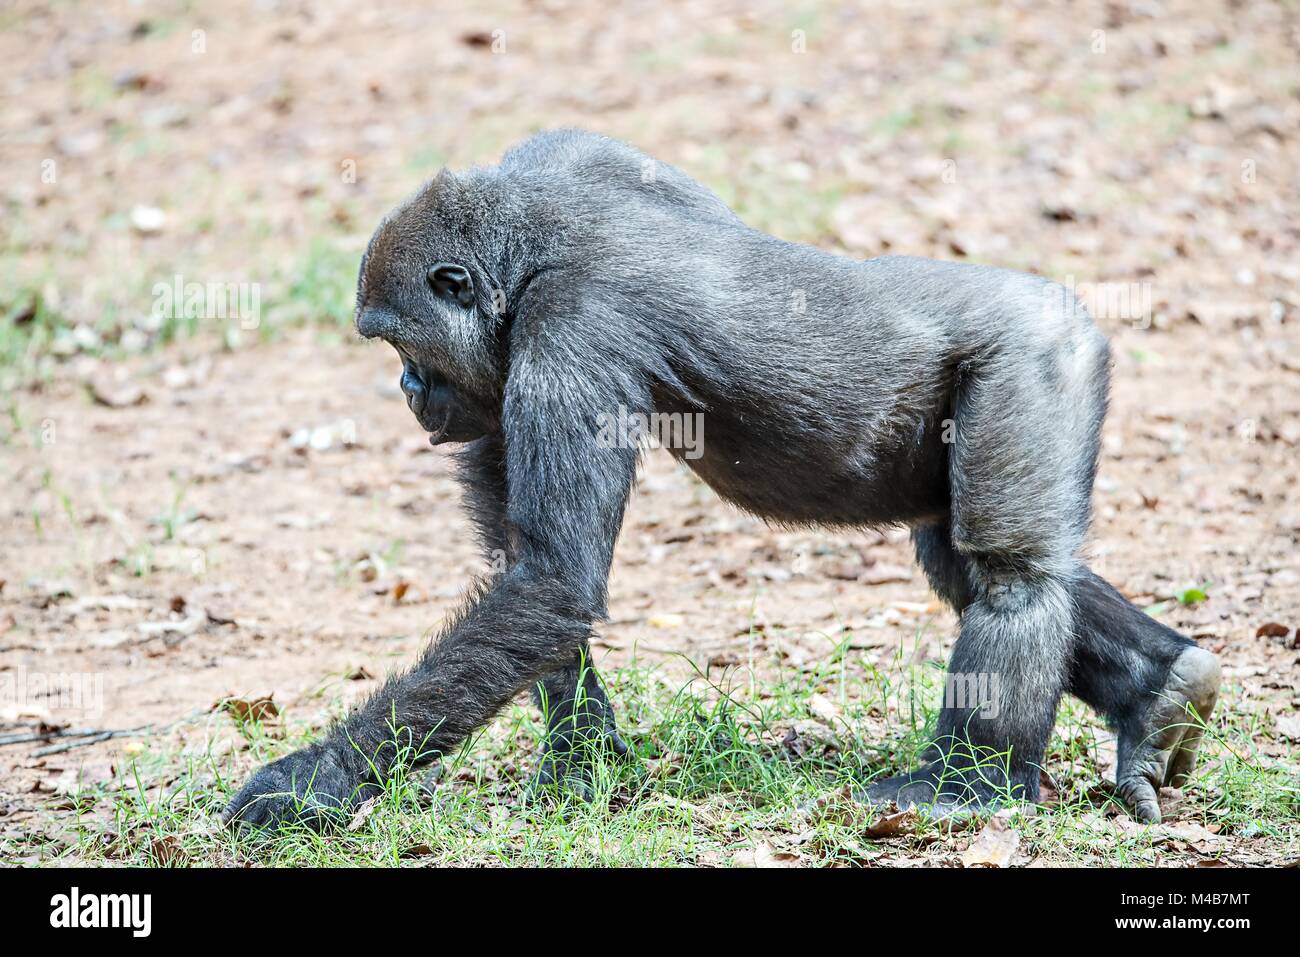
(1020, 471)
(1155, 688)
(1005, 677)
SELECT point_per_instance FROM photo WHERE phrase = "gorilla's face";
(416, 291)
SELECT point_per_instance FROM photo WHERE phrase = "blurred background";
(209, 488)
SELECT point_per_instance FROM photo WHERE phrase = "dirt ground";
(193, 514)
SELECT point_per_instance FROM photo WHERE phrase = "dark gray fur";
(590, 277)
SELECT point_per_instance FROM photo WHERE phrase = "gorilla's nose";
(413, 388)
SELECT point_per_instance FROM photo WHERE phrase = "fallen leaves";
(1190, 834)
(995, 845)
(1288, 725)
(362, 814)
(251, 709)
(1272, 629)
(167, 851)
(893, 824)
(766, 855)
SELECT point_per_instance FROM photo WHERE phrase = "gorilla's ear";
(452, 283)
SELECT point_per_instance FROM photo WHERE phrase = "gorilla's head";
(424, 289)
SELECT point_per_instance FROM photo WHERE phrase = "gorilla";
(580, 277)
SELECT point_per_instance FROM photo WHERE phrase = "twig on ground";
(87, 736)
(24, 737)
(84, 742)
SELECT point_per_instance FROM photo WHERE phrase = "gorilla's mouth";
(431, 400)
(436, 435)
(437, 404)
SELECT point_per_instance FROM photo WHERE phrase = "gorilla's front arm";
(566, 496)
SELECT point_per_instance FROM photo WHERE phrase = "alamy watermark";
(980, 692)
(179, 299)
(682, 431)
(75, 909)
(1122, 301)
(80, 692)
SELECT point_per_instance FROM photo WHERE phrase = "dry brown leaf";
(251, 709)
(362, 814)
(896, 824)
(765, 855)
(1272, 629)
(1048, 796)
(1288, 725)
(1196, 836)
(994, 846)
(168, 851)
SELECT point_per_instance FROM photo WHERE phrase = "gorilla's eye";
(452, 283)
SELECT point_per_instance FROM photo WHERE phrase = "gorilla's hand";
(314, 787)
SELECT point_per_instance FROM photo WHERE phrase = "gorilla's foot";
(1161, 750)
(946, 791)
